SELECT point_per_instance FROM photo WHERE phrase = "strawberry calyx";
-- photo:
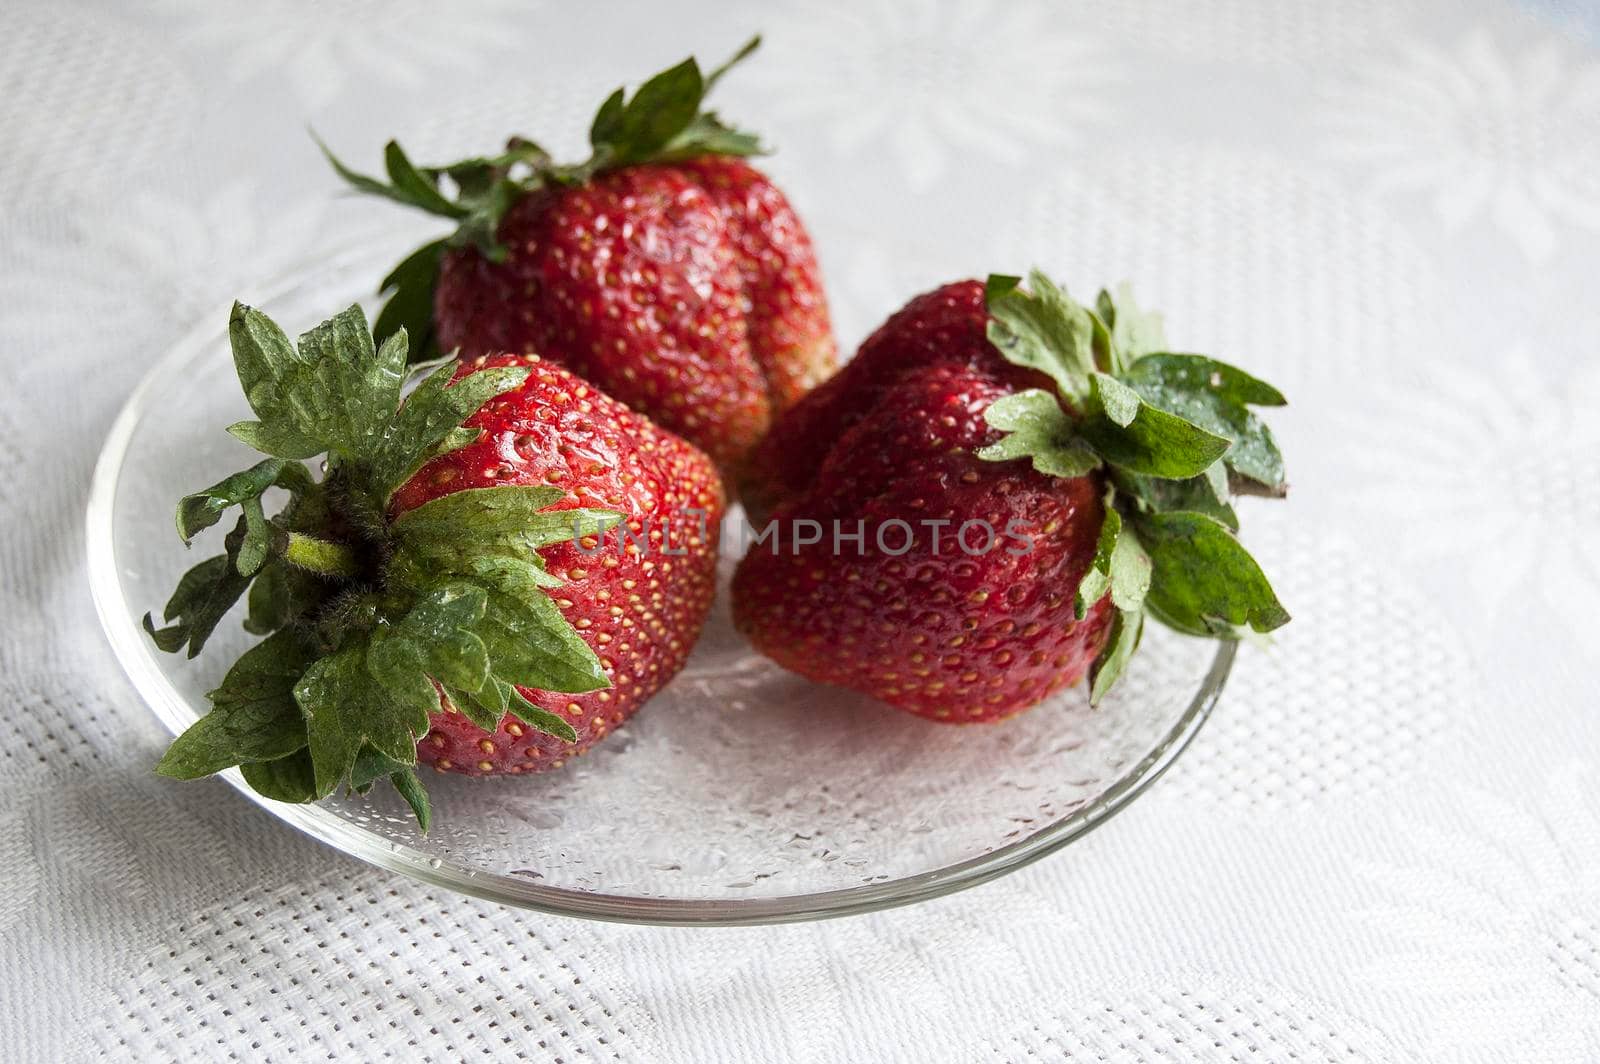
(665, 120)
(1174, 439)
(370, 622)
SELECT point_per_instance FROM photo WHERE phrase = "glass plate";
(741, 794)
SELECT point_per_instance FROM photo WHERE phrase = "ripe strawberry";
(638, 605)
(942, 327)
(665, 269)
(504, 567)
(982, 505)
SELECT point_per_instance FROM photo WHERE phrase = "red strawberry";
(665, 269)
(894, 437)
(942, 327)
(639, 608)
(503, 567)
(1040, 427)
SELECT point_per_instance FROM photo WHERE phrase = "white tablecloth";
(1385, 845)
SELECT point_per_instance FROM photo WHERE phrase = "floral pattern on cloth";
(1382, 846)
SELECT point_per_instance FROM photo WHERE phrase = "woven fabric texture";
(1385, 846)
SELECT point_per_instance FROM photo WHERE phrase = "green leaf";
(257, 539)
(415, 794)
(706, 133)
(999, 285)
(261, 355)
(1096, 581)
(1127, 626)
(480, 228)
(1199, 373)
(426, 425)
(434, 640)
(512, 573)
(410, 304)
(203, 509)
(507, 510)
(1119, 402)
(1176, 438)
(531, 645)
(490, 535)
(297, 480)
(283, 595)
(1039, 429)
(335, 392)
(193, 589)
(661, 109)
(370, 767)
(1121, 567)
(288, 779)
(270, 606)
(1214, 395)
(263, 677)
(405, 186)
(1206, 494)
(1203, 581)
(709, 135)
(539, 719)
(499, 698)
(416, 188)
(345, 707)
(477, 511)
(204, 594)
(1131, 571)
(275, 440)
(264, 359)
(1042, 328)
(348, 392)
(1140, 438)
(483, 193)
(486, 707)
(474, 175)
(1106, 359)
(253, 714)
(1134, 333)
(480, 707)
(607, 125)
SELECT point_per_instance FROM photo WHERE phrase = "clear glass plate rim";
(138, 662)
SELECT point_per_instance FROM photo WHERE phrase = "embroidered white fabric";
(1383, 846)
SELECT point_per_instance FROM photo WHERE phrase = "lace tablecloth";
(1385, 845)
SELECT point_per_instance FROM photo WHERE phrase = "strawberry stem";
(321, 556)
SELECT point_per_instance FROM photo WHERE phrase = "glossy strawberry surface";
(637, 601)
(952, 627)
(689, 291)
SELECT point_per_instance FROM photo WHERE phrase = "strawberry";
(501, 568)
(942, 327)
(640, 607)
(984, 504)
(665, 268)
